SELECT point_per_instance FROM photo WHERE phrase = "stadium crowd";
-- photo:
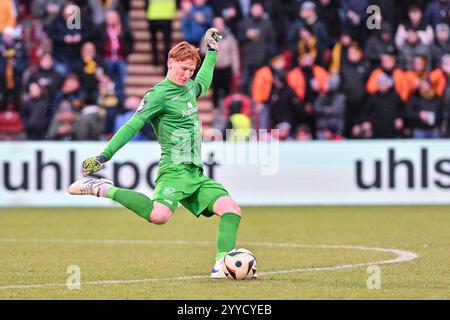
(323, 69)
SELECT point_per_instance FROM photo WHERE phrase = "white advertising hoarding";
(288, 173)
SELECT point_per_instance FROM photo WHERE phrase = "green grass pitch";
(120, 256)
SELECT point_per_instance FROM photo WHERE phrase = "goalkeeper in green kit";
(171, 108)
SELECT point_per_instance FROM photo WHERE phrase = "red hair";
(184, 51)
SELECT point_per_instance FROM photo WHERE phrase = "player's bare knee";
(234, 208)
(227, 204)
(160, 215)
(237, 210)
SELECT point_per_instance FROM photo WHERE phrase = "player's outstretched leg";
(133, 200)
(230, 217)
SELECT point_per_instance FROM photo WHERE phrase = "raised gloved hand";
(212, 38)
(93, 164)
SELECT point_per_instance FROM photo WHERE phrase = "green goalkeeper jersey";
(172, 112)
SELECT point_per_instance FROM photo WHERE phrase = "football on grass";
(240, 264)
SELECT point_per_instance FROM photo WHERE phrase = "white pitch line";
(402, 256)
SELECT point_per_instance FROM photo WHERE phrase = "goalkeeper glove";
(212, 38)
(93, 164)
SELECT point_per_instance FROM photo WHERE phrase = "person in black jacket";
(424, 112)
(445, 67)
(441, 44)
(383, 114)
(353, 76)
(379, 41)
(256, 38)
(35, 112)
(230, 11)
(329, 111)
(47, 76)
(328, 12)
(67, 41)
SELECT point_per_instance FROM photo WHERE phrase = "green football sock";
(227, 233)
(135, 201)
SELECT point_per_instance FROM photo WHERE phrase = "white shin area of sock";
(104, 189)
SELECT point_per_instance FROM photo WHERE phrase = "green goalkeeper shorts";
(186, 184)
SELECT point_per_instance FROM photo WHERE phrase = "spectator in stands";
(444, 86)
(35, 112)
(227, 67)
(98, 10)
(339, 53)
(42, 13)
(66, 42)
(308, 44)
(383, 114)
(46, 76)
(71, 93)
(276, 12)
(378, 42)
(8, 14)
(117, 43)
(230, 11)
(353, 76)
(13, 62)
(47, 10)
(388, 68)
(419, 72)
(283, 108)
(89, 70)
(293, 31)
(238, 125)
(109, 101)
(328, 14)
(257, 39)
(309, 20)
(352, 14)
(437, 11)
(308, 81)
(267, 85)
(197, 18)
(61, 126)
(245, 8)
(411, 48)
(415, 22)
(329, 112)
(441, 44)
(424, 112)
(388, 11)
(89, 123)
(160, 14)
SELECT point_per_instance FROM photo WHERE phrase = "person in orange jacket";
(308, 81)
(306, 70)
(442, 87)
(388, 68)
(265, 80)
(8, 14)
(420, 72)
